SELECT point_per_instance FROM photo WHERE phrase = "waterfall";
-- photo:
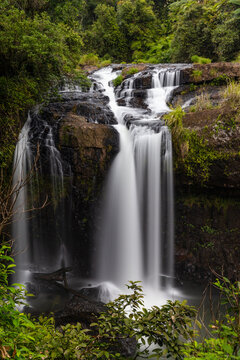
(120, 251)
(153, 160)
(137, 238)
(21, 167)
(33, 248)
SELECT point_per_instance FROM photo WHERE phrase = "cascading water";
(136, 237)
(120, 256)
(136, 241)
(31, 244)
(21, 167)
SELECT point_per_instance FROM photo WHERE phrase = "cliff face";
(87, 143)
(207, 167)
(207, 173)
(89, 148)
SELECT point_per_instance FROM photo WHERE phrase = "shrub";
(224, 341)
(105, 63)
(132, 71)
(89, 59)
(119, 79)
(200, 60)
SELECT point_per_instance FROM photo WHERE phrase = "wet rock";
(143, 82)
(91, 105)
(137, 67)
(79, 309)
(137, 99)
(89, 148)
(89, 69)
(95, 113)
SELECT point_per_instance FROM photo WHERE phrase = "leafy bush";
(132, 71)
(196, 74)
(224, 342)
(89, 59)
(119, 79)
(105, 63)
(200, 60)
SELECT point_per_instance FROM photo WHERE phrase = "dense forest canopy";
(42, 41)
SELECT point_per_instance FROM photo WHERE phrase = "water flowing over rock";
(75, 153)
(137, 229)
(105, 166)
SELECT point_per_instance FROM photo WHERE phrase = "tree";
(192, 27)
(105, 36)
(35, 54)
(138, 22)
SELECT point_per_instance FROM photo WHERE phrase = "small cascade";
(137, 242)
(126, 91)
(163, 83)
(32, 247)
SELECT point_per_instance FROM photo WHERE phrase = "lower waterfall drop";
(32, 249)
(139, 245)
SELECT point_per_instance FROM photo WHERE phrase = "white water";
(120, 255)
(137, 237)
(27, 228)
(136, 241)
(21, 167)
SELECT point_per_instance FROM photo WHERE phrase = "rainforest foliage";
(43, 41)
(169, 331)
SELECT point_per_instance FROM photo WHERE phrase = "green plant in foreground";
(22, 338)
(167, 330)
(232, 93)
(224, 342)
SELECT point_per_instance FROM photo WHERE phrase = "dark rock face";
(208, 206)
(89, 148)
(87, 144)
(143, 82)
(137, 100)
(207, 236)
